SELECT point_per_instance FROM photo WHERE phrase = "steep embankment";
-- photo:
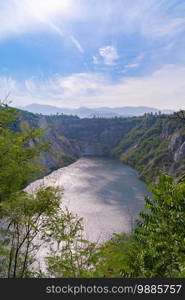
(157, 143)
(149, 143)
(71, 137)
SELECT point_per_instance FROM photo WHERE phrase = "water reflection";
(106, 193)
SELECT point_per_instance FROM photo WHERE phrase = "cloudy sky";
(73, 53)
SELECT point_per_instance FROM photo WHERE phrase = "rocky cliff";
(149, 143)
(157, 143)
(71, 137)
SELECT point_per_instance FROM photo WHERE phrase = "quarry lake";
(106, 193)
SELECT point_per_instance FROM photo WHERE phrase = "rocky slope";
(157, 143)
(149, 143)
(71, 137)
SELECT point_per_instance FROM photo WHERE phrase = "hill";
(157, 143)
(85, 112)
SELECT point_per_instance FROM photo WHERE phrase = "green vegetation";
(31, 220)
(17, 150)
(157, 248)
(26, 219)
(146, 146)
(64, 158)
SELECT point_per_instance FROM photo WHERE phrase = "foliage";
(17, 153)
(63, 158)
(157, 248)
(20, 212)
(146, 146)
(24, 216)
(160, 231)
(118, 258)
(29, 221)
(70, 254)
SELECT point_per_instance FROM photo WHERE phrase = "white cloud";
(161, 19)
(134, 64)
(151, 18)
(45, 8)
(108, 56)
(8, 86)
(20, 16)
(30, 85)
(162, 89)
(76, 43)
(96, 61)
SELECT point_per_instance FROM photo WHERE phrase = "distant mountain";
(85, 112)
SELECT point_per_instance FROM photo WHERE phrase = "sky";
(74, 53)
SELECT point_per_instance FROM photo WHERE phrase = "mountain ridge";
(86, 112)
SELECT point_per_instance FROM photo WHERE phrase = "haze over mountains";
(85, 112)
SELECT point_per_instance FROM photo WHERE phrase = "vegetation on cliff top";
(146, 147)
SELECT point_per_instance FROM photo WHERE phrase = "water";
(105, 192)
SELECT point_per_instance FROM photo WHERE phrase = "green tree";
(71, 255)
(160, 230)
(157, 247)
(20, 213)
(24, 216)
(18, 150)
(118, 258)
(29, 221)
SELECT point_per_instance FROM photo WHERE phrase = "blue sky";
(73, 53)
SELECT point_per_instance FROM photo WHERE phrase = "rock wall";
(78, 137)
(71, 138)
(158, 143)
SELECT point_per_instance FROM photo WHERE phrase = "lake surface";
(106, 193)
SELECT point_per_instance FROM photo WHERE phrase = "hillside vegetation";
(156, 143)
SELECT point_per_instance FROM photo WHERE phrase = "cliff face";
(71, 137)
(93, 137)
(147, 143)
(158, 143)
